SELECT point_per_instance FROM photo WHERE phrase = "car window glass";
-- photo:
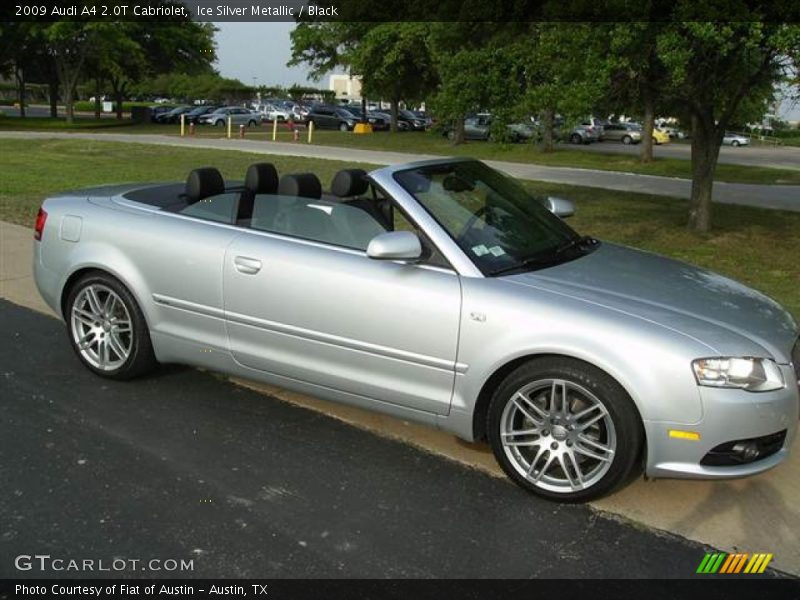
(220, 208)
(316, 220)
(491, 217)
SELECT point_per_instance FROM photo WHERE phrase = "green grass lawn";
(755, 246)
(432, 143)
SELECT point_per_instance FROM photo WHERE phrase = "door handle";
(248, 266)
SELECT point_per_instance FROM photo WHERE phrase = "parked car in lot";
(271, 112)
(155, 111)
(627, 133)
(332, 117)
(193, 115)
(596, 126)
(378, 122)
(173, 115)
(238, 115)
(412, 121)
(660, 136)
(438, 291)
(735, 140)
(479, 128)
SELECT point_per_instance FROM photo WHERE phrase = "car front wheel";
(576, 139)
(564, 430)
(735, 143)
(343, 127)
(107, 329)
(627, 140)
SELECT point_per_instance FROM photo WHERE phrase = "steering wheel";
(475, 216)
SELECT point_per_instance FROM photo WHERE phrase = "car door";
(330, 316)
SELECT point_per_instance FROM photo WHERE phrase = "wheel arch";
(480, 412)
(77, 274)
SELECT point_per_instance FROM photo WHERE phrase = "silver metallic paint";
(400, 338)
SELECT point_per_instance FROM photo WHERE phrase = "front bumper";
(728, 415)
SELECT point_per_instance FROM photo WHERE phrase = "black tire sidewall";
(141, 358)
(625, 416)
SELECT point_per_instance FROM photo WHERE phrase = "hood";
(702, 304)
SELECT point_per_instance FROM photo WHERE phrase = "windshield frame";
(563, 234)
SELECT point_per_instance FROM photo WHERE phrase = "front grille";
(731, 453)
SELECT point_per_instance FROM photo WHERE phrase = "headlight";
(751, 374)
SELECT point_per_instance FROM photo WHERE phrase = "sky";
(261, 50)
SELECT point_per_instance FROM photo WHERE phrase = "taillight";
(41, 218)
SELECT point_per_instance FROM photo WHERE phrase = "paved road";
(183, 465)
(782, 157)
(782, 197)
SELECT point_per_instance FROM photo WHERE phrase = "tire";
(343, 127)
(735, 143)
(219, 123)
(251, 123)
(128, 353)
(451, 135)
(627, 140)
(525, 401)
(576, 139)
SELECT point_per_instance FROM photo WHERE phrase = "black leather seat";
(261, 178)
(301, 185)
(350, 185)
(203, 183)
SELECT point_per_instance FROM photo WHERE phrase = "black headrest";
(203, 183)
(303, 185)
(349, 182)
(261, 178)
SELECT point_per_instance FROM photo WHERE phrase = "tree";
(722, 73)
(639, 79)
(564, 68)
(68, 44)
(394, 62)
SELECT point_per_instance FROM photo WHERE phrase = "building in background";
(346, 87)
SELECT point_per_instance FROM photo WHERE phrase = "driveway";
(776, 157)
(759, 514)
(186, 466)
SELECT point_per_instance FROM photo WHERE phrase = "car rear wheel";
(735, 143)
(564, 430)
(343, 127)
(627, 140)
(576, 139)
(107, 329)
(251, 123)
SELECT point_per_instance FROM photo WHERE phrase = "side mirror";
(560, 207)
(395, 245)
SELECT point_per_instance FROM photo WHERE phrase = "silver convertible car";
(440, 292)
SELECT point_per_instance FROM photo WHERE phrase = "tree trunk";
(458, 131)
(21, 95)
(648, 104)
(98, 105)
(706, 141)
(548, 121)
(394, 115)
(52, 89)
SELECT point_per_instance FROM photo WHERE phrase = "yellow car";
(660, 136)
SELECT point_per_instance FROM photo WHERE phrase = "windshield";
(494, 220)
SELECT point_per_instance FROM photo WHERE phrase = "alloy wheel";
(101, 327)
(558, 435)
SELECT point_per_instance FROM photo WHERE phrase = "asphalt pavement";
(779, 197)
(184, 465)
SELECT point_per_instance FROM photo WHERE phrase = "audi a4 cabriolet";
(440, 292)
